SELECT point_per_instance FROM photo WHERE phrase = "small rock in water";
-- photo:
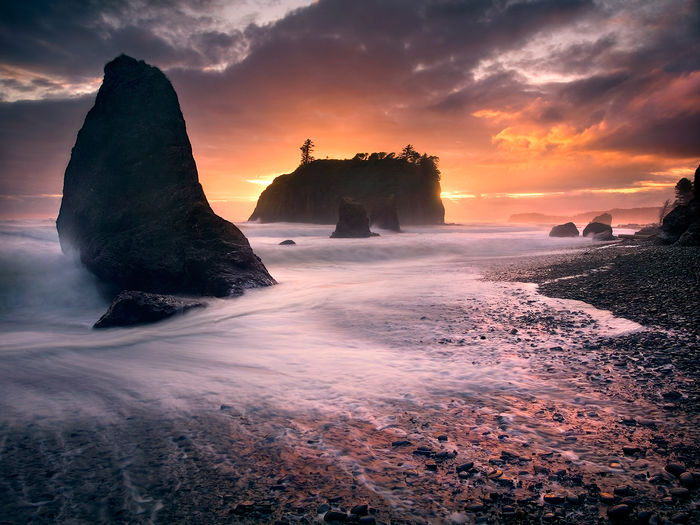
(130, 308)
(401, 443)
(287, 242)
(442, 438)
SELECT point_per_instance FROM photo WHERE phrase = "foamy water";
(356, 328)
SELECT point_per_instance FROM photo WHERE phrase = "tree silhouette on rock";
(306, 150)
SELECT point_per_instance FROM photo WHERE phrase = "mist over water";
(356, 329)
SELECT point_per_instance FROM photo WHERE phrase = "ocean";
(296, 395)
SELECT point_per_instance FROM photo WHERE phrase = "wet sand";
(610, 440)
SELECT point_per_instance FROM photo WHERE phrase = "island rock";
(352, 220)
(564, 230)
(599, 231)
(310, 194)
(133, 208)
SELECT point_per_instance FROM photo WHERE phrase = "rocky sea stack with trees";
(311, 193)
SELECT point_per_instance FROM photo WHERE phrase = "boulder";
(598, 231)
(564, 230)
(677, 221)
(603, 218)
(133, 208)
(691, 236)
(131, 308)
(288, 242)
(352, 220)
(384, 215)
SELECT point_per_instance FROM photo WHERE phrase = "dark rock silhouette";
(696, 183)
(599, 231)
(603, 218)
(385, 216)
(352, 220)
(131, 308)
(287, 242)
(691, 236)
(677, 221)
(310, 194)
(132, 204)
(564, 230)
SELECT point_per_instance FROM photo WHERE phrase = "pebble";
(334, 515)
(367, 520)
(680, 517)
(619, 512)
(464, 467)
(679, 492)
(442, 438)
(687, 479)
(475, 507)
(675, 468)
(574, 500)
(360, 510)
(554, 499)
(606, 497)
(631, 451)
(401, 443)
(431, 466)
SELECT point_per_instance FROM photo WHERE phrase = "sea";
(294, 396)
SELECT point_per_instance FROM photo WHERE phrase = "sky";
(550, 106)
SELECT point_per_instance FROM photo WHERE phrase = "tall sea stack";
(132, 204)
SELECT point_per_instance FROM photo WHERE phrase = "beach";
(423, 375)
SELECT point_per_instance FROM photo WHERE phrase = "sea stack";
(133, 208)
(352, 221)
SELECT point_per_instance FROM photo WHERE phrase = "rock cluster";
(133, 208)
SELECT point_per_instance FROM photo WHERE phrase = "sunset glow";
(579, 100)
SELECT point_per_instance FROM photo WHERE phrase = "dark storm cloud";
(35, 142)
(400, 64)
(76, 37)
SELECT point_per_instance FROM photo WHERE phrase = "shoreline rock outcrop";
(599, 231)
(353, 222)
(133, 207)
(568, 229)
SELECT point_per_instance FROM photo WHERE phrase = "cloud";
(566, 94)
